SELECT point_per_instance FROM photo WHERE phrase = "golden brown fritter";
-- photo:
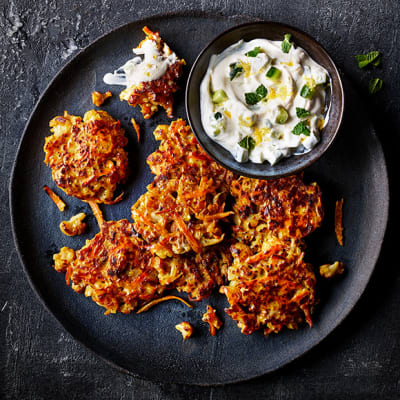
(180, 214)
(86, 156)
(270, 285)
(183, 207)
(180, 153)
(114, 268)
(273, 289)
(285, 207)
(159, 92)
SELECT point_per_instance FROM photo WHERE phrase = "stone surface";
(38, 360)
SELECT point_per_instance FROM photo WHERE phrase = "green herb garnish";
(301, 112)
(254, 52)
(235, 69)
(217, 115)
(373, 57)
(247, 143)
(254, 97)
(261, 91)
(375, 85)
(306, 92)
(301, 129)
(286, 45)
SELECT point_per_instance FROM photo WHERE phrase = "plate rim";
(21, 254)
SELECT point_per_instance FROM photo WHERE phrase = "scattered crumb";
(185, 328)
(99, 98)
(331, 270)
(75, 226)
(211, 318)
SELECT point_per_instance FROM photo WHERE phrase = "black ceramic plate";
(148, 345)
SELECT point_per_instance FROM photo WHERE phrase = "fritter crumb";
(99, 98)
(331, 270)
(210, 317)
(185, 329)
(75, 226)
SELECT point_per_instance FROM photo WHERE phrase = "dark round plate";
(271, 31)
(147, 345)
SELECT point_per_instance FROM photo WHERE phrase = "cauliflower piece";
(185, 329)
(331, 270)
(75, 226)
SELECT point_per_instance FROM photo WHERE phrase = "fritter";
(183, 207)
(272, 289)
(87, 157)
(270, 285)
(180, 153)
(285, 207)
(158, 92)
(114, 268)
(180, 214)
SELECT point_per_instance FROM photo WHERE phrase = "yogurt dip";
(264, 100)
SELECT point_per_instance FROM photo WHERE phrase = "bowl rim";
(317, 156)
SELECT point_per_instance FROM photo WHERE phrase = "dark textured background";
(39, 360)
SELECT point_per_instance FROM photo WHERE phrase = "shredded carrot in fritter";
(339, 221)
(196, 246)
(57, 201)
(160, 300)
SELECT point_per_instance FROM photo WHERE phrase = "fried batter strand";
(159, 92)
(86, 156)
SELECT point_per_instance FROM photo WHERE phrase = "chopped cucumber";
(282, 116)
(217, 132)
(219, 96)
(306, 92)
(274, 74)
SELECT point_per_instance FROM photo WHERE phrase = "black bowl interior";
(272, 31)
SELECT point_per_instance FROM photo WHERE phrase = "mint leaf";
(235, 69)
(286, 45)
(254, 52)
(375, 85)
(301, 128)
(217, 115)
(247, 143)
(373, 57)
(301, 112)
(261, 91)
